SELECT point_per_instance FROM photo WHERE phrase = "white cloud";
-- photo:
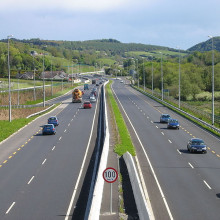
(72, 5)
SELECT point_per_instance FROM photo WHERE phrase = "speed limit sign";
(110, 175)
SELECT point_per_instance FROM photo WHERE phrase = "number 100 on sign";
(110, 175)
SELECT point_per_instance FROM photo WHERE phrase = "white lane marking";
(74, 116)
(10, 208)
(72, 119)
(162, 133)
(81, 170)
(65, 130)
(151, 167)
(30, 180)
(69, 123)
(44, 161)
(156, 126)
(170, 141)
(179, 151)
(60, 138)
(191, 165)
(207, 184)
(151, 121)
(147, 117)
(53, 147)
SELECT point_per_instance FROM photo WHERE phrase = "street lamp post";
(43, 83)
(179, 80)
(213, 83)
(144, 74)
(9, 81)
(152, 71)
(51, 78)
(34, 80)
(161, 76)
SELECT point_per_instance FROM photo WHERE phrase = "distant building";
(26, 75)
(54, 75)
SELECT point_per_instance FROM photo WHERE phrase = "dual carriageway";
(42, 176)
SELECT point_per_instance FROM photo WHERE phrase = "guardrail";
(178, 110)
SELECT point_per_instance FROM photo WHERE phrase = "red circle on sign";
(110, 175)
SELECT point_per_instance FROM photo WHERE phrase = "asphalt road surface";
(41, 174)
(181, 185)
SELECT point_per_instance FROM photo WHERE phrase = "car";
(164, 118)
(48, 129)
(87, 104)
(97, 84)
(53, 120)
(196, 145)
(100, 82)
(173, 123)
(92, 99)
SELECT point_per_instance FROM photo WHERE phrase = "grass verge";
(8, 128)
(182, 114)
(125, 144)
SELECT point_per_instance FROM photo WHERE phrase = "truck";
(76, 95)
(86, 87)
(94, 81)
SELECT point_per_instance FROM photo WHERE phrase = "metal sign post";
(110, 175)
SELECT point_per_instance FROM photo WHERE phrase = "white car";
(92, 99)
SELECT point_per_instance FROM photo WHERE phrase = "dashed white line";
(72, 119)
(207, 184)
(170, 141)
(151, 121)
(156, 126)
(179, 151)
(60, 138)
(65, 130)
(30, 180)
(162, 133)
(10, 208)
(53, 147)
(191, 165)
(44, 161)
(69, 123)
(147, 117)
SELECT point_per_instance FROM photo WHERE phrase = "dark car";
(48, 129)
(87, 104)
(53, 120)
(164, 118)
(196, 145)
(173, 123)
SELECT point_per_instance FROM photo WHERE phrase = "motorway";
(41, 176)
(180, 185)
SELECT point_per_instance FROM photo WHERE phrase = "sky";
(171, 23)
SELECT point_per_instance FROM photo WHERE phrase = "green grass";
(125, 139)
(8, 128)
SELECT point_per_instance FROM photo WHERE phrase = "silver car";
(92, 99)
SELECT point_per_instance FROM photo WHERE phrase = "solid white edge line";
(151, 167)
(30, 180)
(44, 161)
(81, 169)
(10, 208)
(207, 184)
(191, 165)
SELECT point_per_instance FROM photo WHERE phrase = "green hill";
(207, 45)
